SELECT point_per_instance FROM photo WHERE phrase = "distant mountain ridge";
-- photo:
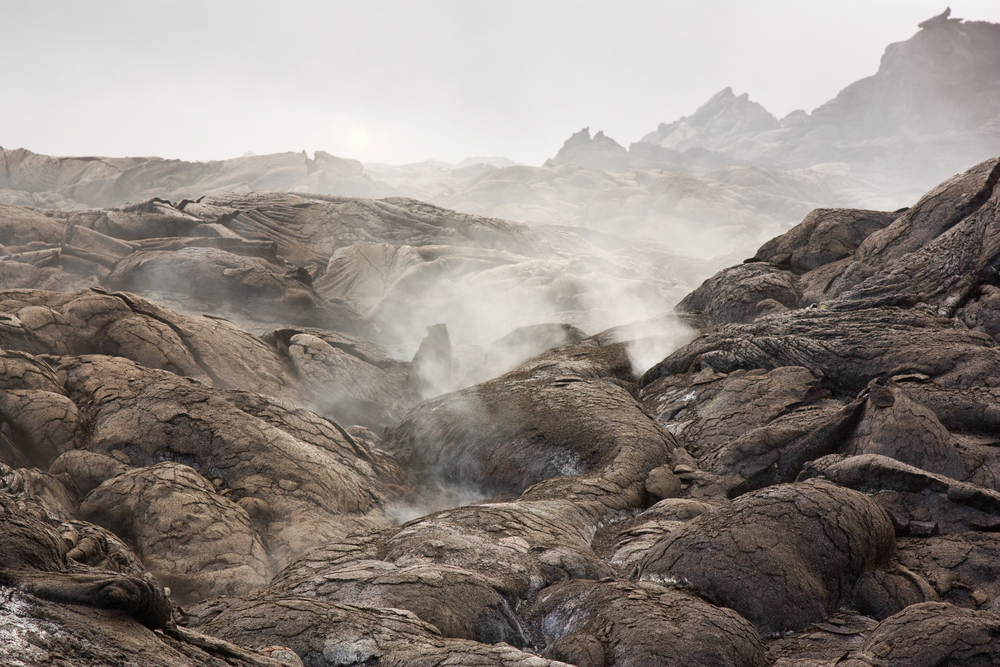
(931, 109)
(30, 179)
(946, 78)
(719, 121)
(721, 180)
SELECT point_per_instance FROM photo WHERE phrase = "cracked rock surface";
(783, 557)
(251, 464)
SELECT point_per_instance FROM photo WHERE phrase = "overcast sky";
(398, 82)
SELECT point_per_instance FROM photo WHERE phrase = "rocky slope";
(210, 457)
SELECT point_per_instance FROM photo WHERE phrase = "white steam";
(440, 496)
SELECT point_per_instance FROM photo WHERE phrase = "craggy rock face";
(37, 561)
(144, 504)
(824, 236)
(741, 293)
(614, 623)
(558, 422)
(783, 557)
(814, 478)
(933, 633)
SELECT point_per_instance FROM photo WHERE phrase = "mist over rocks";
(97, 182)
(561, 426)
(597, 152)
(920, 81)
(820, 429)
(252, 426)
(878, 144)
(378, 269)
(698, 204)
(721, 180)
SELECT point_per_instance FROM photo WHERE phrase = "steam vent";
(304, 411)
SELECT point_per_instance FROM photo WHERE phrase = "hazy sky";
(394, 81)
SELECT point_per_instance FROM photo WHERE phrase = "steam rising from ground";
(482, 294)
(653, 340)
(439, 496)
(461, 479)
(481, 311)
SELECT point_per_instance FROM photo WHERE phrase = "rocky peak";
(600, 152)
(944, 78)
(718, 121)
(939, 20)
(581, 138)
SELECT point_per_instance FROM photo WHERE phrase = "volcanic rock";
(822, 456)
(218, 552)
(324, 633)
(35, 560)
(615, 623)
(783, 557)
(932, 633)
(562, 423)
